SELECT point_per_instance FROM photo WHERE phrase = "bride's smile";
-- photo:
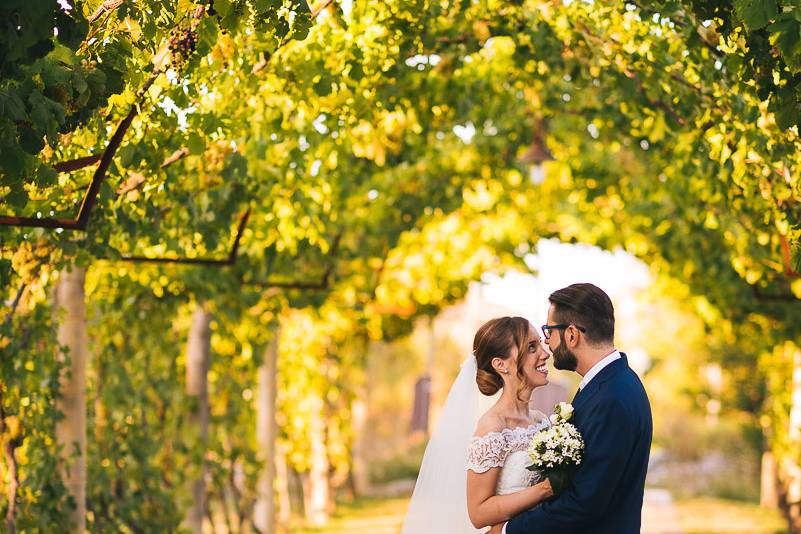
(537, 370)
(542, 366)
(543, 369)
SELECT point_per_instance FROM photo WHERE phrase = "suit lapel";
(606, 373)
(585, 394)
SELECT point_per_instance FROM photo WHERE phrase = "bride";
(470, 479)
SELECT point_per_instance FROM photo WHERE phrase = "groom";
(612, 412)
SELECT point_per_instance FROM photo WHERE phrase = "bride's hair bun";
(496, 339)
(489, 382)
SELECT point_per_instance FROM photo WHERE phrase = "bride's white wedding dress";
(506, 449)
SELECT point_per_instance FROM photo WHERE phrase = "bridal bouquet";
(556, 451)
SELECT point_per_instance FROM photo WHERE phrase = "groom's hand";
(496, 529)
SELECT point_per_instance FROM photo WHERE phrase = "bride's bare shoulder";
(489, 422)
(536, 416)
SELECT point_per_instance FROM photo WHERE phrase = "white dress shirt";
(597, 368)
(592, 373)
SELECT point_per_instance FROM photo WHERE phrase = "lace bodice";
(506, 449)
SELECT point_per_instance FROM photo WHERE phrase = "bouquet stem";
(560, 480)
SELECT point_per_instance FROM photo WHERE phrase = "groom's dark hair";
(587, 306)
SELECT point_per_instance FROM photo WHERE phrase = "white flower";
(558, 445)
(565, 410)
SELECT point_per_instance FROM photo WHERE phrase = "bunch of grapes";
(183, 42)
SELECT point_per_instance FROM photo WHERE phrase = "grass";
(703, 515)
(706, 515)
(368, 516)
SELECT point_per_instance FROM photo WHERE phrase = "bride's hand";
(546, 488)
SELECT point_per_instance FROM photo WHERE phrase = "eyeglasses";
(546, 329)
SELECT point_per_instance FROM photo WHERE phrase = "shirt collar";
(592, 373)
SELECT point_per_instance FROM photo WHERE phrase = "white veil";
(439, 501)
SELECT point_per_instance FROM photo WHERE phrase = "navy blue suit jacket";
(613, 414)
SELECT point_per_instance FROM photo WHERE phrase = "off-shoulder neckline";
(536, 426)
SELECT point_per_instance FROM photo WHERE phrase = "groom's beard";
(563, 358)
